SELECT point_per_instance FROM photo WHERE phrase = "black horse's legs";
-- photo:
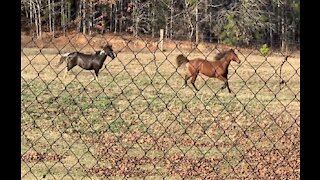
(70, 65)
(67, 71)
(96, 71)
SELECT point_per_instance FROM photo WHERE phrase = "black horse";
(87, 61)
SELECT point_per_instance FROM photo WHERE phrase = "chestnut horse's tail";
(181, 60)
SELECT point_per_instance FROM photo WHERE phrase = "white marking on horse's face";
(102, 52)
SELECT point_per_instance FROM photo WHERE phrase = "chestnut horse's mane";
(220, 55)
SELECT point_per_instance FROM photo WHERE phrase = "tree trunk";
(62, 17)
(197, 23)
(270, 30)
(185, 24)
(67, 12)
(153, 20)
(31, 17)
(110, 18)
(35, 20)
(116, 18)
(53, 18)
(171, 19)
(282, 30)
(210, 27)
(136, 18)
(277, 23)
(191, 27)
(50, 23)
(25, 6)
(80, 16)
(189, 19)
(90, 18)
(293, 38)
(39, 17)
(137, 26)
(103, 23)
(286, 31)
(121, 16)
(84, 16)
(167, 27)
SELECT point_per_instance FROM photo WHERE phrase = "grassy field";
(139, 121)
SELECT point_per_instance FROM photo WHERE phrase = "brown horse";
(216, 69)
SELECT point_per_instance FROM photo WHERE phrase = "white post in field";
(161, 39)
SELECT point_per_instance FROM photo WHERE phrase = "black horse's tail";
(63, 58)
(181, 60)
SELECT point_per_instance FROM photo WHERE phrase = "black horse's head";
(108, 51)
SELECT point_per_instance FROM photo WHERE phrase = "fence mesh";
(139, 121)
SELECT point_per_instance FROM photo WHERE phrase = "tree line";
(233, 22)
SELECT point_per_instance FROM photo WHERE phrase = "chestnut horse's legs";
(226, 84)
(186, 78)
(193, 80)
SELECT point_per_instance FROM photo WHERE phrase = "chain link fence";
(139, 121)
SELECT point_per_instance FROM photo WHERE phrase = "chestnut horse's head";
(233, 56)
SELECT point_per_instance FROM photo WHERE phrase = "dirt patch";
(161, 143)
(33, 156)
(125, 168)
(255, 163)
(187, 167)
(252, 163)
(275, 164)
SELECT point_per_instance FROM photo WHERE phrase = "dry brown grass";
(140, 121)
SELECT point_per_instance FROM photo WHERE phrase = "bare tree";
(49, 16)
(249, 21)
(63, 23)
(141, 20)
